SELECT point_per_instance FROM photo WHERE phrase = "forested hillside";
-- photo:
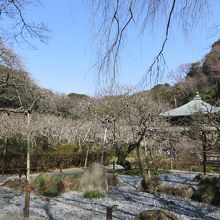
(203, 76)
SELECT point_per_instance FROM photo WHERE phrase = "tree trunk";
(28, 147)
(204, 159)
(145, 147)
(27, 190)
(86, 158)
(141, 163)
(122, 160)
(4, 156)
(103, 146)
(80, 147)
(102, 156)
(27, 201)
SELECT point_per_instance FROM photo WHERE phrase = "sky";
(66, 63)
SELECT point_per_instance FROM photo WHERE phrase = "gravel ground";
(126, 200)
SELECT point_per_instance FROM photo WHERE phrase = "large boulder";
(4, 215)
(150, 185)
(160, 214)
(94, 179)
(208, 191)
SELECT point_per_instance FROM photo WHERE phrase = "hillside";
(201, 76)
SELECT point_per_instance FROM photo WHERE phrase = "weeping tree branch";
(113, 44)
(156, 64)
(114, 21)
(38, 31)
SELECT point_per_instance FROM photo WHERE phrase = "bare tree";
(19, 28)
(114, 19)
(205, 128)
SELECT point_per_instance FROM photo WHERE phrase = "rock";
(94, 179)
(164, 189)
(185, 192)
(150, 185)
(60, 187)
(160, 214)
(71, 185)
(17, 183)
(200, 177)
(208, 191)
(7, 216)
(113, 179)
(218, 182)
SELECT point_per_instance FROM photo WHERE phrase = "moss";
(93, 195)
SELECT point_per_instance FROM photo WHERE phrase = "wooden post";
(109, 213)
(171, 164)
(60, 168)
(114, 162)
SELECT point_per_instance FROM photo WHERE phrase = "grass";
(213, 169)
(93, 195)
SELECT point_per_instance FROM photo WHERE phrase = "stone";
(165, 189)
(218, 182)
(113, 179)
(200, 177)
(160, 214)
(184, 192)
(208, 191)
(16, 183)
(7, 216)
(94, 178)
(150, 185)
(71, 185)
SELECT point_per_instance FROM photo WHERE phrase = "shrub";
(93, 195)
(51, 191)
(40, 180)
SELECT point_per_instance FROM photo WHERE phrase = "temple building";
(195, 106)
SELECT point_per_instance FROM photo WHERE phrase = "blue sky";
(65, 64)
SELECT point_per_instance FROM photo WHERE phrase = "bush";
(54, 185)
(40, 180)
(93, 195)
(51, 191)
